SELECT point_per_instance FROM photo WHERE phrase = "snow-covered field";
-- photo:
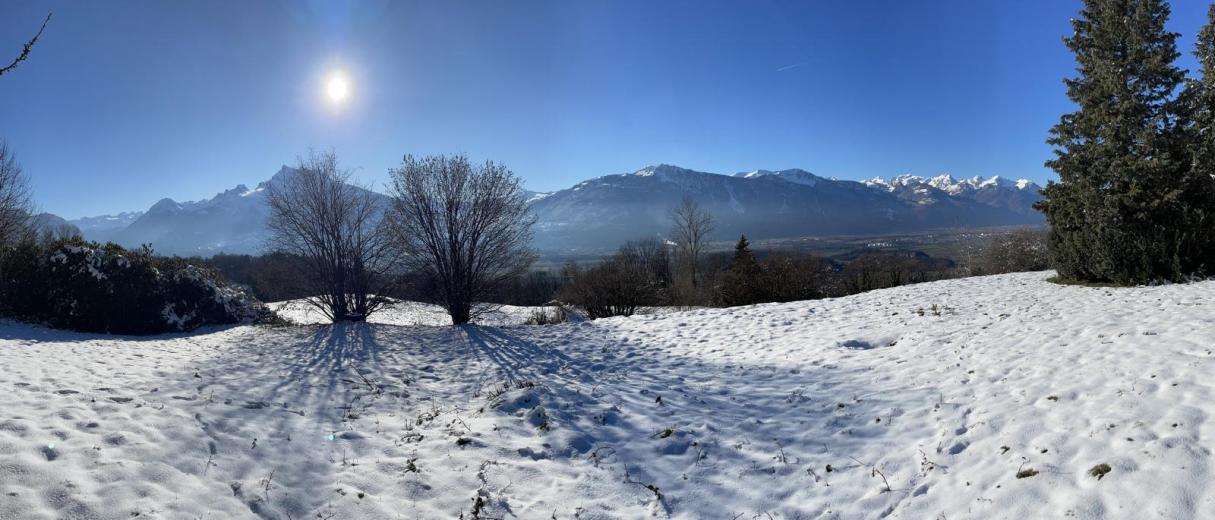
(410, 314)
(918, 402)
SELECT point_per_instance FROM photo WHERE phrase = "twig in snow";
(817, 478)
(875, 472)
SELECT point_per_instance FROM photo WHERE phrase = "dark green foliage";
(100, 288)
(1124, 210)
(272, 277)
(1199, 101)
(85, 286)
(20, 274)
(742, 283)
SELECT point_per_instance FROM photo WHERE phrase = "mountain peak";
(660, 170)
(163, 205)
(949, 184)
(794, 175)
(280, 177)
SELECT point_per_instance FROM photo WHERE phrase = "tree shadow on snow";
(657, 416)
(279, 400)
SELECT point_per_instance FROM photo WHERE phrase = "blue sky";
(125, 102)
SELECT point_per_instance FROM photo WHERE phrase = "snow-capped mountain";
(103, 228)
(603, 212)
(1017, 196)
(795, 176)
(233, 221)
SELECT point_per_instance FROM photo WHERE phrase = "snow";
(794, 176)
(409, 313)
(948, 184)
(536, 196)
(942, 393)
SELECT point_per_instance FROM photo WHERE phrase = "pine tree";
(1199, 100)
(1121, 158)
(742, 282)
(742, 252)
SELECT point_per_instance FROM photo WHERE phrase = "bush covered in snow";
(90, 287)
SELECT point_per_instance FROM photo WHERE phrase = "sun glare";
(337, 89)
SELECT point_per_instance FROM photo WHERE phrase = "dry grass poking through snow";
(994, 397)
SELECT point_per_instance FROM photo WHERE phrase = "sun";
(337, 89)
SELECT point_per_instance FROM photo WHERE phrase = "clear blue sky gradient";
(125, 102)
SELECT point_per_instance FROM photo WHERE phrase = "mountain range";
(603, 212)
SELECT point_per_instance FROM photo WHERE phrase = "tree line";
(652, 272)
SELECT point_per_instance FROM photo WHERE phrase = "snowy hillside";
(992, 397)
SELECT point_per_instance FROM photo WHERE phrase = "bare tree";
(15, 194)
(335, 229)
(465, 227)
(691, 229)
(29, 46)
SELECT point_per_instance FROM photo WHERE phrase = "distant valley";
(601, 213)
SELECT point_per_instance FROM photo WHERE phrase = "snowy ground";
(410, 314)
(918, 402)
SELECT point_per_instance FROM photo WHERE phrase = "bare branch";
(15, 196)
(465, 227)
(25, 51)
(691, 229)
(335, 228)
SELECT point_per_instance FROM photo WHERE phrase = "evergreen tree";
(1199, 101)
(1116, 214)
(742, 282)
(742, 252)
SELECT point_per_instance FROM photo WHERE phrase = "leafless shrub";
(544, 316)
(618, 285)
(1017, 251)
(465, 227)
(792, 276)
(334, 229)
